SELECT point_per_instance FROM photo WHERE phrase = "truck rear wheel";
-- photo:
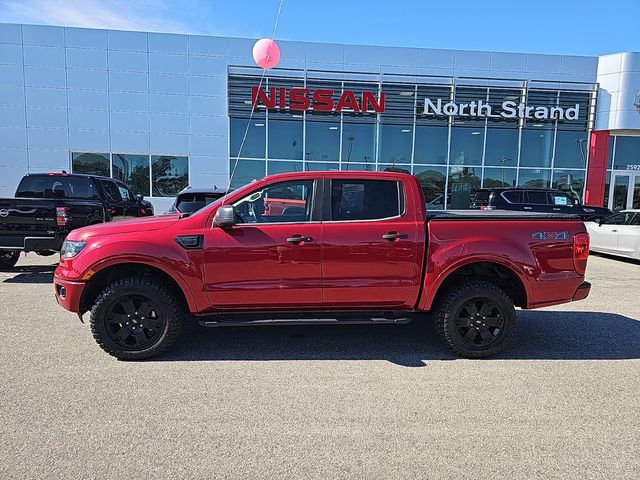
(9, 258)
(135, 318)
(476, 319)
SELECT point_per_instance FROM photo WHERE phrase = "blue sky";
(576, 27)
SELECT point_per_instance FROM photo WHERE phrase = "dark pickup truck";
(48, 206)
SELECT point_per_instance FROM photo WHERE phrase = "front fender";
(180, 265)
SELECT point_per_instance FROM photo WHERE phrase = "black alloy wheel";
(479, 322)
(134, 322)
(136, 318)
(476, 319)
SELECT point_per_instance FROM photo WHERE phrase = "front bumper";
(68, 293)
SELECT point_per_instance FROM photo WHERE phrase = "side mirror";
(225, 217)
(139, 197)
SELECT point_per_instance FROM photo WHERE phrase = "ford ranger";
(318, 247)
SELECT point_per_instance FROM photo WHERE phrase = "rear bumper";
(31, 244)
(582, 291)
(68, 293)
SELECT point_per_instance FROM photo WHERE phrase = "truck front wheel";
(476, 319)
(135, 318)
(9, 258)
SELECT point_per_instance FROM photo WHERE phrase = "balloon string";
(254, 104)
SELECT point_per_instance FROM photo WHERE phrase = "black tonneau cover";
(496, 215)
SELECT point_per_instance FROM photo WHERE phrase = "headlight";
(70, 249)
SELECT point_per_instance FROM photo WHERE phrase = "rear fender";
(443, 260)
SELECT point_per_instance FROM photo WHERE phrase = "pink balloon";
(266, 53)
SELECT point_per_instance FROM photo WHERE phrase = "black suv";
(544, 200)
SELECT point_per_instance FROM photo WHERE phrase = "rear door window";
(537, 197)
(366, 199)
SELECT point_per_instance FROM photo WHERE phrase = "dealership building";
(163, 111)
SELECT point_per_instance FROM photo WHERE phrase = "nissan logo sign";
(4, 212)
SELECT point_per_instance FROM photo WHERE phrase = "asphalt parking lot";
(323, 402)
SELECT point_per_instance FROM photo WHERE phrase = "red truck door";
(271, 258)
(370, 254)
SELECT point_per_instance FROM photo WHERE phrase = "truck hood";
(118, 227)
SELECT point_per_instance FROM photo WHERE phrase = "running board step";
(303, 321)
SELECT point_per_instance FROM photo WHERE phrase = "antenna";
(393, 164)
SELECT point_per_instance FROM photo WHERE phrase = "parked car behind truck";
(48, 206)
(544, 200)
(359, 247)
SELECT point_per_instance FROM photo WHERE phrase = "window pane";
(570, 182)
(316, 166)
(571, 149)
(607, 183)
(169, 175)
(283, 167)
(285, 139)
(536, 147)
(364, 199)
(395, 143)
(133, 171)
(358, 142)
(627, 152)
(90, 163)
(369, 167)
(432, 180)
(502, 147)
(386, 167)
(535, 177)
(431, 145)
(277, 203)
(466, 145)
(254, 143)
(463, 183)
(499, 177)
(246, 171)
(323, 141)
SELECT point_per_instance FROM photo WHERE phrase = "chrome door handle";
(394, 236)
(614, 230)
(528, 208)
(556, 209)
(299, 239)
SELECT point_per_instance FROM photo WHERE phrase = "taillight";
(580, 252)
(62, 216)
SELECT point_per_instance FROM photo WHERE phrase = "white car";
(618, 234)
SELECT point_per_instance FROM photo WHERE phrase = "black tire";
(8, 259)
(135, 337)
(476, 320)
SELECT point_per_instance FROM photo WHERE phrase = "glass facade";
(151, 176)
(453, 152)
(623, 169)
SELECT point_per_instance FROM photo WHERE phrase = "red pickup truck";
(347, 247)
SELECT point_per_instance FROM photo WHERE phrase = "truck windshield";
(56, 186)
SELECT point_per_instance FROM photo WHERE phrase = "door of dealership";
(625, 191)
